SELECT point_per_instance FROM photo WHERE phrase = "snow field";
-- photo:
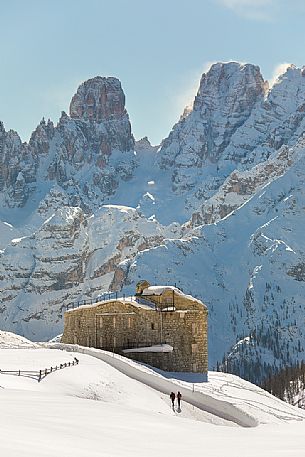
(226, 396)
(93, 409)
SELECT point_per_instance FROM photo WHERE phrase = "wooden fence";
(40, 374)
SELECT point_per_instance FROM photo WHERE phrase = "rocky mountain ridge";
(74, 154)
(216, 209)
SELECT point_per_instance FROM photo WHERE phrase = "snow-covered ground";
(93, 409)
(9, 340)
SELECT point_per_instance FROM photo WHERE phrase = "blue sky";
(157, 48)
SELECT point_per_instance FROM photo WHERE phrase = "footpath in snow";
(225, 396)
(94, 409)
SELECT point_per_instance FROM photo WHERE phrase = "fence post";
(39, 379)
(19, 373)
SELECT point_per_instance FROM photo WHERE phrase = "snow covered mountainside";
(216, 209)
(94, 407)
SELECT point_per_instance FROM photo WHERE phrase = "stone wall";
(115, 325)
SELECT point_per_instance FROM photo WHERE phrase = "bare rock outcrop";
(99, 99)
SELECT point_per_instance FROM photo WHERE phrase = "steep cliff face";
(98, 99)
(226, 97)
(17, 165)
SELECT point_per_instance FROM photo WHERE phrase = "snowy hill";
(9, 340)
(217, 209)
(93, 408)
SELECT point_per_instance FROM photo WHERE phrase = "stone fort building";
(160, 326)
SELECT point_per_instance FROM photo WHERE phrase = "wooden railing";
(40, 374)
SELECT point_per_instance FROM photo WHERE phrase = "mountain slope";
(217, 209)
(248, 269)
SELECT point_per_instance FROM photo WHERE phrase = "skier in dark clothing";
(179, 396)
(172, 397)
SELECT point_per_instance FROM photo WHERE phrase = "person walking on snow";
(172, 397)
(179, 396)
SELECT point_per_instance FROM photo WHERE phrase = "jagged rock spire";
(98, 99)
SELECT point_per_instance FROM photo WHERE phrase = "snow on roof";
(158, 290)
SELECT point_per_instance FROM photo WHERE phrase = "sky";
(158, 49)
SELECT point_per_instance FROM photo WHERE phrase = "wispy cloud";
(251, 9)
(278, 70)
(185, 98)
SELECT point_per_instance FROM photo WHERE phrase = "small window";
(129, 322)
(194, 348)
(101, 322)
(153, 326)
(193, 328)
(114, 321)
